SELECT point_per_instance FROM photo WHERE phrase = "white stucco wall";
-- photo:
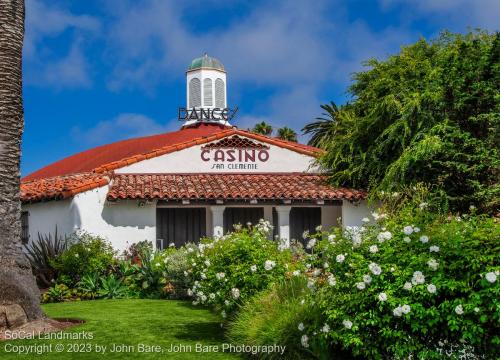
(44, 217)
(352, 213)
(121, 223)
(189, 161)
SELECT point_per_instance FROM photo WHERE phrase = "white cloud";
(45, 65)
(294, 48)
(277, 44)
(123, 126)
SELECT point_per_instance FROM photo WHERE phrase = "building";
(180, 186)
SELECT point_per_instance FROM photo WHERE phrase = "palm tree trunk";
(19, 295)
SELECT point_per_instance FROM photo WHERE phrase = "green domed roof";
(206, 62)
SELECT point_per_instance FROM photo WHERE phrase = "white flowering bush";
(408, 286)
(226, 271)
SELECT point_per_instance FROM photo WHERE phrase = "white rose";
(373, 249)
(375, 269)
(235, 292)
(408, 230)
(304, 340)
(431, 288)
(424, 239)
(347, 324)
(491, 277)
(360, 285)
(269, 265)
(382, 297)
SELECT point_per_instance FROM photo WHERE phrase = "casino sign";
(235, 153)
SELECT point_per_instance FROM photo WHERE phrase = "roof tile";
(61, 187)
(295, 186)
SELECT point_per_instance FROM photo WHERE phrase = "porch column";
(284, 223)
(217, 220)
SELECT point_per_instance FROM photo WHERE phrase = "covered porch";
(191, 206)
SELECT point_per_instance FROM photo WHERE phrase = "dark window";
(302, 219)
(241, 215)
(179, 226)
(25, 229)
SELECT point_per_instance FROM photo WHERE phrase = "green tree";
(324, 128)
(263, 128)
(285, 133)
(428, 114)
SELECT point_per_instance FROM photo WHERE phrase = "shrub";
(88, 254)
(227, 271)
(42, 252)
(59, 293)
(408, 286)
(137, 250)
(150, 276)
(176, 266)
(112, 288)
(273, 317)
(89, 286)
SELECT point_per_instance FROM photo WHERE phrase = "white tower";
(206, 88)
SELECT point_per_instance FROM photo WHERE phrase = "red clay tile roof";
(119, 154)
(295, 186)
(61, 187)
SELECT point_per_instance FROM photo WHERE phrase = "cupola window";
(207, 92)
(195, 93)
(220, 96)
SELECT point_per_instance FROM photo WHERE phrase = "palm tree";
(285, 133)
(263, 128)
(19, 295)
(324, 128)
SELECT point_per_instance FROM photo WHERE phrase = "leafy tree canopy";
(428, 114)
(263, 128)
(286, 133)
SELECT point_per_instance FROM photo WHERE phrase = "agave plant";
(42, 251)
(112, 288)
(57, 293)
(89, 286)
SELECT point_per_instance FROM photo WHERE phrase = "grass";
(130, 323)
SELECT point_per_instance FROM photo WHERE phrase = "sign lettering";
(210, 114)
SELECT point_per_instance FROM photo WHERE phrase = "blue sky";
(98, 71)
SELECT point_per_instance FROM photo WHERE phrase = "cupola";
(206, 87)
